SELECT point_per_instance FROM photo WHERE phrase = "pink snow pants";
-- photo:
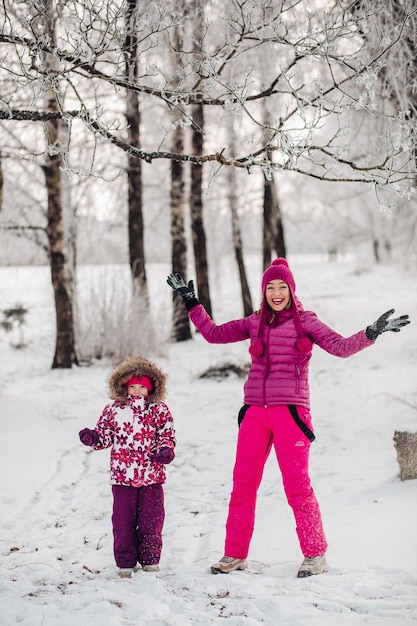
(261, 429)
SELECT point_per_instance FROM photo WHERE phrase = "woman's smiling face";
(278, 295)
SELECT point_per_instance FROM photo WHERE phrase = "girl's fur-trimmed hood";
(137, 366)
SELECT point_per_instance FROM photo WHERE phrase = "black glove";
(88, 437)
(165, 455)
(187, 293)
(383, 324)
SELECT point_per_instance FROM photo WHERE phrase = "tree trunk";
(238, 247)
(279, 239)
(273, 228)
(1, 182)
(197, 225)
(236, 230)
(134, 165)
(405, 443)
(375, 248)
(65, 353)
(196, 201)
(268, 227)
(69, 216)
(181, 324)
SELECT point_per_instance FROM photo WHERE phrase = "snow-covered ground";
(57, 565)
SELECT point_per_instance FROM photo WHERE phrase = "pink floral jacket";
(135, 429)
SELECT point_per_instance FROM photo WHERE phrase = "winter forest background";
(189, 132)
(205, 138)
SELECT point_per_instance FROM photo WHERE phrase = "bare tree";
(65, 354)
(233, 199)
(1, 180)
(134, 165)
(197, 221)
(196, 200)
(238, 244)
(392, 92)
(319, 127)
(398, 73)
(314, 122)
(273, 228)
(181, 325)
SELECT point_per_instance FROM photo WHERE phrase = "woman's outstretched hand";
(383, 324)
(186, 292)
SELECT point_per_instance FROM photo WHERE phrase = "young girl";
(277, 406)
(138, 426)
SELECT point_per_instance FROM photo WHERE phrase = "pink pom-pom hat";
(279, 270)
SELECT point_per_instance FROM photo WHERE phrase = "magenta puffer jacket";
(280, 375)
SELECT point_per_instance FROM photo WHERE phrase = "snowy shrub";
(224, 370)
(13, 321)
(111, 320)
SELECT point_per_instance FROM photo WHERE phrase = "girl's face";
(278, 295)
(137, 390)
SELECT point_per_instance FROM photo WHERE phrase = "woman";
(277, 406)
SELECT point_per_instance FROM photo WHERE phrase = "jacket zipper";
(267, 363)
(297, 377)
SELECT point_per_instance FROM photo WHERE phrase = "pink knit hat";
(279, 270)
(145, 381)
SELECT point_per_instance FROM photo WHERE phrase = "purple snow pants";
(138, 519)
(261, 429)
